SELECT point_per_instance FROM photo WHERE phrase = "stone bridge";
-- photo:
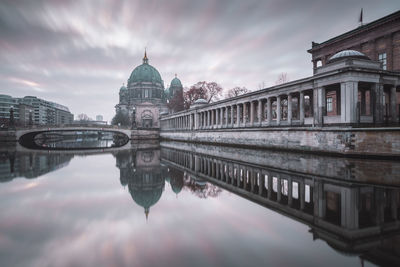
(37, 130)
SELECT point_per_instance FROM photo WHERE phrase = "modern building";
(378, 40)
(145, 98)
(99, 117)
(32, 110)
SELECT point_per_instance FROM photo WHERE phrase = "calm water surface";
(186, 205)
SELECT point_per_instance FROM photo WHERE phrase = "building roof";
(361, 29)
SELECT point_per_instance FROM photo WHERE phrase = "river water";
(177, 204)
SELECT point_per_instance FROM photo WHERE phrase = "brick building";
(379, 41)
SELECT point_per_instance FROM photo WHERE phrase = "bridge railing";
(89, 125)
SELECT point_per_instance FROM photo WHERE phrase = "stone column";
(270, 190)
(251, 113)
(290, 191)
(231, 121)
(302, 195)
(238, 115)
(348, 102)
(208, 118)
(289, 103)
(259, 111)
(244, 113)
(221, 117)
(226, 116)
(321, 105)
(378, 106)
(212, 118)
(278, 110)
(393, 104)
(269, 111)
(278, 189)
(301, 107)
(315, 105)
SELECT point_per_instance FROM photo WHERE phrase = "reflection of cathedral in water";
(145, 177)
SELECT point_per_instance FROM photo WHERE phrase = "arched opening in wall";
(295, 106)
(365, 101)
(147, 119)
(398, 104)
(366, 212)
(308, 104)
(333, 208)
(391, 103)
(333, 99)
(273, 108)
(284, 108)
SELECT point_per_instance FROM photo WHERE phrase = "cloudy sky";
(78, 53)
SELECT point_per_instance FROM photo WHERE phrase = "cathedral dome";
(145, 73)
(176, 82)
(123, 88)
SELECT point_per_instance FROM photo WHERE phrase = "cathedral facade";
(144, 98)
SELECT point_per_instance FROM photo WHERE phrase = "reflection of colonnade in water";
(344, 214)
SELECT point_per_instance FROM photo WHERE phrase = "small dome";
(176, 82)
(200, 101)
(347, 54)
(123, 88)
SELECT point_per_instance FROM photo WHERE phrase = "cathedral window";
(146, 93)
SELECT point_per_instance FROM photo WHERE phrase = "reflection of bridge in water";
(350, 215)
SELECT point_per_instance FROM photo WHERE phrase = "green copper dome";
(145, 73)
(123, 88)
(176, 82)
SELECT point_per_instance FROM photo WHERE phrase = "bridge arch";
(26, 137)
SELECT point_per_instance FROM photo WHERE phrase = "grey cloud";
(91, 47)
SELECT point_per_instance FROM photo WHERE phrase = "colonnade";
(334, 99)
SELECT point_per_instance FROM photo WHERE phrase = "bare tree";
(210, 91)
(176, 103)
(282, 78)
(261, 85)
(236, 91)
(214, 91)
(83, 117)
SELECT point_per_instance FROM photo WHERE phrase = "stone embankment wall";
(145, 134)
(381, 142)
(8, 136)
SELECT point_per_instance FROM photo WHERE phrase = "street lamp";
(30, 123)
(11, 122)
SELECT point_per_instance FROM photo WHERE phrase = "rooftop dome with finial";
(145, 73)
(176, 82)
(347, 54)
(123, 87)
